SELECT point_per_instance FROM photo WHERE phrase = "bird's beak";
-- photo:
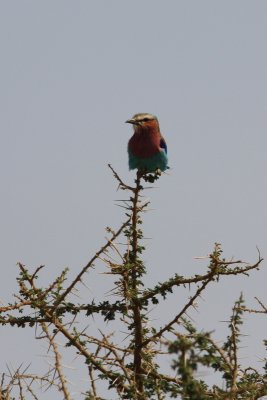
(132, 121)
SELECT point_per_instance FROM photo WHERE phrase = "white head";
(143, 120)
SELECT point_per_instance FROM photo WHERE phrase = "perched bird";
(147, 148)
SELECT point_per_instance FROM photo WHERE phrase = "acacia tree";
(131, 368)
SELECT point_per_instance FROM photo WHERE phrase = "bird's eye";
(146, 119)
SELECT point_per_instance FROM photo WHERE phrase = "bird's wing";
(163, 144)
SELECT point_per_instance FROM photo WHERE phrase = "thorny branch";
(127, 359)
(90, 263)
(180, 281)
(58, 365)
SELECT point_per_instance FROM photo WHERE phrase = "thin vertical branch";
(58, 366)
(91, 374)
(138, 328)
(235, 365)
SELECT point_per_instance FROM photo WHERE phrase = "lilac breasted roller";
(147, 148)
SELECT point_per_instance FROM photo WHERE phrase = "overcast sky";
(71, 73)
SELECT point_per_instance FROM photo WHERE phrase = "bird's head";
(143, 121)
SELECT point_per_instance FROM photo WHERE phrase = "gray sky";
(71, 73)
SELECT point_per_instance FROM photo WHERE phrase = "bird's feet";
(150, 176)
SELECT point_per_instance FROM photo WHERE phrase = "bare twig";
(58, 366)
(90, 263)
